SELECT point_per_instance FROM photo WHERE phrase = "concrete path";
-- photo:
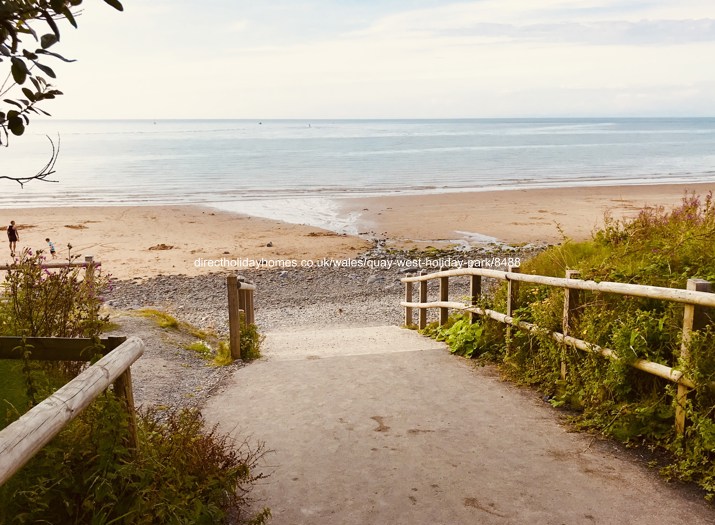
(379, 425)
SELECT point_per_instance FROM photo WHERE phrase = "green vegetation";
(42, 303)
(207, 344)
(658, 247)
(162, 319)
(251, 340)
(181, 472)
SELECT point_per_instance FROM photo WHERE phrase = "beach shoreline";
(145, 241)
(541, 216)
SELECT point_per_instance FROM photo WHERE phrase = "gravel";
(365, 295)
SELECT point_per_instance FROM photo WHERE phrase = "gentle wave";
(231, 162)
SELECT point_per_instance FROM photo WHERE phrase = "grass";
(162, 319)
(208, 344)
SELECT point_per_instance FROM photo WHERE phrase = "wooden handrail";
(89, 261)
(633, 290)
(22, 439)
(694, 296)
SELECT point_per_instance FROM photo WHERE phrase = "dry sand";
(513, 216)
(144, 241)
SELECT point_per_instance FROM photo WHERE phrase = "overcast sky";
(389, 59)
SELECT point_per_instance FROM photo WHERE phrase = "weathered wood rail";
(88, 262)
(21, 440)
(240, 299)
(695, 297)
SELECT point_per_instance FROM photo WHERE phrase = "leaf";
(29, 94)
(18, 70)
(15, 123)
(29, 54)
(69, 16)
(115, 4)
(50, 22)
(13, 102)
(48, 40)
(46, 69)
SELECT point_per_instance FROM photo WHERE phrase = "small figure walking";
(51, 244)
(13, 236)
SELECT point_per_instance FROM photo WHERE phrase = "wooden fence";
(88, 263)
(695, 297)
(240, 299)
(22, 439)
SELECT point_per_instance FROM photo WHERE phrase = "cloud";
(469, 59)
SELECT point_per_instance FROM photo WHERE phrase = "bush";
(182, 473)
(52, 303)
(251, 339)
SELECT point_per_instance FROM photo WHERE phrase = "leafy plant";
(182, 472)
(251, 340)
(52, 303)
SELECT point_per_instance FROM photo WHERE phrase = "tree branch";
(47, 170)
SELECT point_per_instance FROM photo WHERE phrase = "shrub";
(182, 472)
(52, 303)
(251, 340)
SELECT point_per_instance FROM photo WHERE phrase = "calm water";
(258, 167)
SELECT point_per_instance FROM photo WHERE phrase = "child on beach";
(52, 248)
(13, 236)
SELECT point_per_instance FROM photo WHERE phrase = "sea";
(300, 170)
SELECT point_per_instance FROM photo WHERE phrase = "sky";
(263, 59)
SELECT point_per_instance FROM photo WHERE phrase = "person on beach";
(53, 252)
(13, 236)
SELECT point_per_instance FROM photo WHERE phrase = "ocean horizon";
(299, 170)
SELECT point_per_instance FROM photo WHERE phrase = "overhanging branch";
(47, 170)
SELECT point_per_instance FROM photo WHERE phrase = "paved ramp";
(379, 425)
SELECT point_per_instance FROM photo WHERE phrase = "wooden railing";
(22, 439)
(696, 296)
(240, 299)
(88, 262)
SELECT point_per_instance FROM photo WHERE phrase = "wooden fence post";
(571, 302)
(250, 314)
(443, 296)
(511, 300)
(234, 316)
(423, 311)
(89, 269)
(475, 293)
(693, 319)
(408, 299)
(123, 390)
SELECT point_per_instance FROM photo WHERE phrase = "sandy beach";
(512, 216)
(144, 241)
